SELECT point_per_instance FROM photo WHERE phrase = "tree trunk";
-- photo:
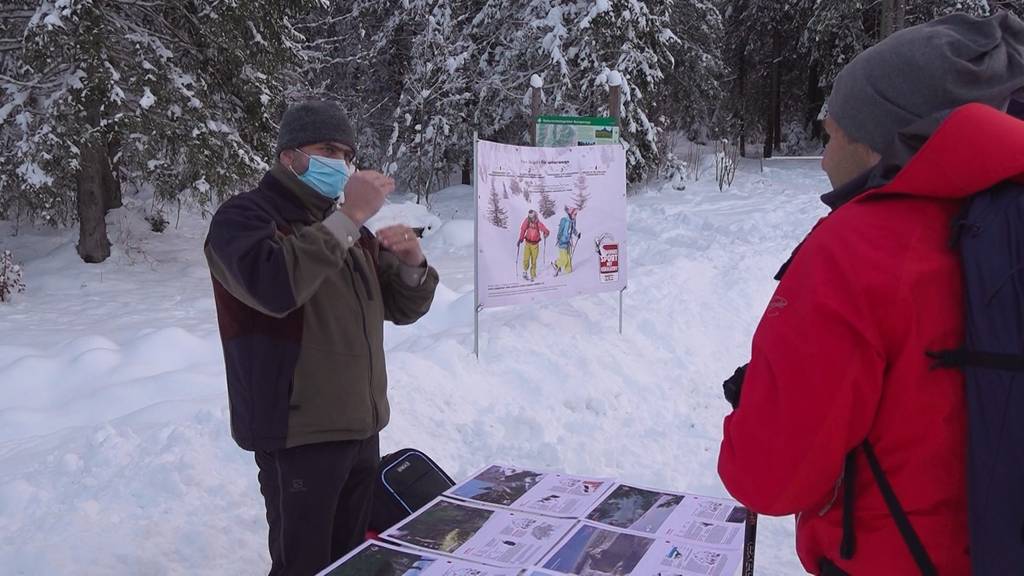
(901, 14)
(111, 184)
(769, 125)
(777, 92)
(467, 172)
(815, 100)
(742, 77)
(93, 245)
(95, 180)
(769, 113)
(885, 20)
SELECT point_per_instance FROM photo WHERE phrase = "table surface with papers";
(511, 521)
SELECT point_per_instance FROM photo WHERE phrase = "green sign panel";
(560, 131)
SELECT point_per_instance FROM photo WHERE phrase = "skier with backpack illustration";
(567, 237)
(883, 404)
(532, 231)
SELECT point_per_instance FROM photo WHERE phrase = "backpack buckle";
(947, 358)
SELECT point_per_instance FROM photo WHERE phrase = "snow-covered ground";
(115, 456)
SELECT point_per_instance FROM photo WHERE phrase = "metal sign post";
(621, 292)
(749, 543)
(476, 254)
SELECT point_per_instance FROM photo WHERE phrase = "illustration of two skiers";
(567, 238)
(531, 232)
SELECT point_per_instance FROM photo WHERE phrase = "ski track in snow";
(115, 454)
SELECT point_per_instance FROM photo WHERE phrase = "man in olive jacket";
(302, 292)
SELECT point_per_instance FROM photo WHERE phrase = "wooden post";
(536, 91)
(614, 95)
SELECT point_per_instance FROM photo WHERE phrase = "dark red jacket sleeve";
(812, 386)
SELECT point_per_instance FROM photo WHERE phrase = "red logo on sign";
(609, 258)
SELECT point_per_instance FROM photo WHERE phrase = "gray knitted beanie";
(925, 70)
(312, 122)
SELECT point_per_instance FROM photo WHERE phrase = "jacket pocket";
(331, 394)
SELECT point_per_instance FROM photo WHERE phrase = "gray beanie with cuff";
(925, 70)
(312, 122)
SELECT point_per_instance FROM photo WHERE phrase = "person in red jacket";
(532, 232)
(917, 125)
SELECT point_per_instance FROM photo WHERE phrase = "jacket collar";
(949, 155)
(315, 205)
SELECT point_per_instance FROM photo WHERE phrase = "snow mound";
(407, 213)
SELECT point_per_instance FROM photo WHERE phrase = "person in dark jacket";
(839, 377)
(302, 290)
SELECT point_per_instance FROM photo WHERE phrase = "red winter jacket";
(531, 231)
(839, 356)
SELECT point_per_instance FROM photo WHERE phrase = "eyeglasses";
(337, 152)
(348, 158)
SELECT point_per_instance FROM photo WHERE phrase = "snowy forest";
(100, 98)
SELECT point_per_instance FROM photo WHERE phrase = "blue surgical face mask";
(327, 176)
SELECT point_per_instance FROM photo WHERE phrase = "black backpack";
(407, 480)
(990, 239)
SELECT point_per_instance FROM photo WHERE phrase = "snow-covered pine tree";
(14, 16)
(454, 67)
(631, 38)
(547, 205)
(692, 90)
(496, 213)
(894, 15)
(735, 118)
(834, 35)
(1015, 6)
(180, 95)
(11, 281)
(506, 41)
(839, 30)
(921, 11)
(357, 54)
(432, 133)
(769, 71)
(582, 195)
(573, 45)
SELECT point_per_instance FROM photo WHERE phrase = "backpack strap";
(921, 558)
(961, 357)
(828, 568)
(848, 545)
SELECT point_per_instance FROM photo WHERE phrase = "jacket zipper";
(369, 348)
